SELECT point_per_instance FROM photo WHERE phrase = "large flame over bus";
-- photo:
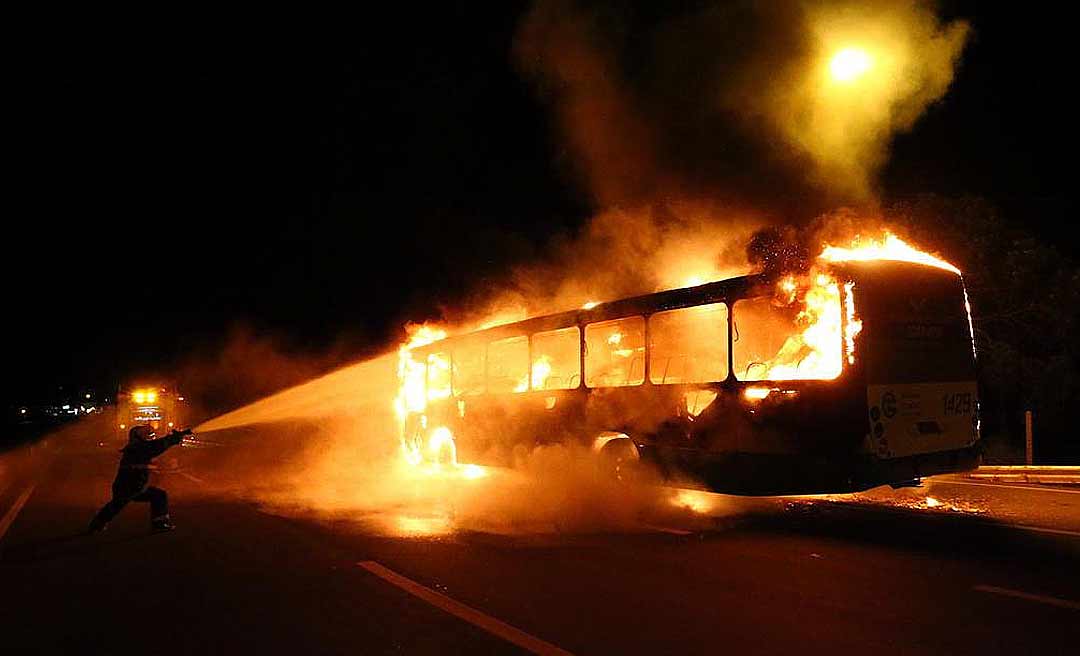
(827, 321)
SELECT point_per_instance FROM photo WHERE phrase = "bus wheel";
(621, 459)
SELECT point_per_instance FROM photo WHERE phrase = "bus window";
(556, 359)
(508, 365)
(438, 375)
(689, 345)
(769, 345)
(761, 327)
(468, 370)
(615, 353)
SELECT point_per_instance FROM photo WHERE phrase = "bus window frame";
(644, 350)
(581, 357)
(487, 362)
(463, 345)
(727, 340)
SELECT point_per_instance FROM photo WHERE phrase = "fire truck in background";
(159, 406)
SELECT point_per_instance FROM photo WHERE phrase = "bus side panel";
(502, 429)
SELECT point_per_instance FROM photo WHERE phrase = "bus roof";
(670, 299)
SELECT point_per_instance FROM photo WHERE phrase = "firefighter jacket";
(134, 473)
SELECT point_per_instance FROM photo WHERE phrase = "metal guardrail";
(1045, 474)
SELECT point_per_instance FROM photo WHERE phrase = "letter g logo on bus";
(888, 405)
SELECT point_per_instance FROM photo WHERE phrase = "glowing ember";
(694, 501)
(756, 393)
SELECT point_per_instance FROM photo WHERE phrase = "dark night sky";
(322, 189)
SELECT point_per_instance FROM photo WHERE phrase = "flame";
(541, 369)
(411, 373)
(411, 381)
(788, 289)
(828, 326)
(890, 248)
(442, 438)
(816, 352)
(438, 372)
(852, 325)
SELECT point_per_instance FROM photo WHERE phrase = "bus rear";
(918, 359)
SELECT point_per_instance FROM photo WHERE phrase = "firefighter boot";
(161, 524)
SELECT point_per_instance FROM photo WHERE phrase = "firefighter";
(132, 481)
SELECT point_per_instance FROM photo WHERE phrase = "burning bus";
(157, 406)
(858, 373)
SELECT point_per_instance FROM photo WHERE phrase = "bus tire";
(621, 460)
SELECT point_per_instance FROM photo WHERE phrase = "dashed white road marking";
(1027, 596)
(13, 512)
(667, 529)
(488, 623)
(1040, 529)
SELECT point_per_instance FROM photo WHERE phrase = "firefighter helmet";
(141, 433)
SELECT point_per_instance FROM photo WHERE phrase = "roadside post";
(1028, 447)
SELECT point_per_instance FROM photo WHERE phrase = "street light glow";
(849, 64)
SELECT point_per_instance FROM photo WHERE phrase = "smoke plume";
(741, 102)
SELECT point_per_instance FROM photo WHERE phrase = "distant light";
(87, 396)
(590, 305)
(22, 411)
(170, 424)
(849, 64)
(123, 426)
(179, 398)
(65, 407)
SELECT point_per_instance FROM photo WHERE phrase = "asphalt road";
(877, 573)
